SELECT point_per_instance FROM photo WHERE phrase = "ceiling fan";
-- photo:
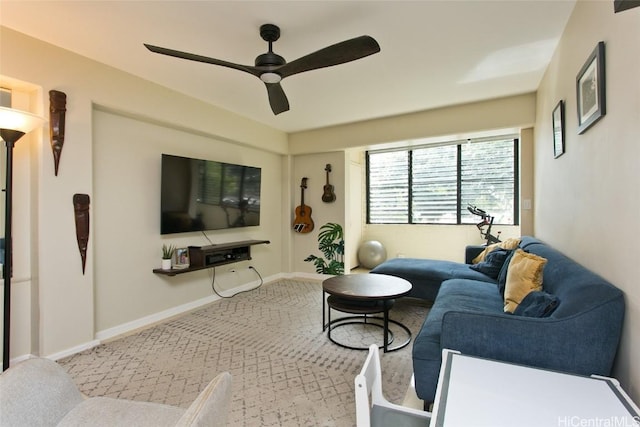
(271, 68)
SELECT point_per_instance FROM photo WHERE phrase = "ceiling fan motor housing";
(269, 33)
(270, 59)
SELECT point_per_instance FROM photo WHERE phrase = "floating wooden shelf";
(202, 257)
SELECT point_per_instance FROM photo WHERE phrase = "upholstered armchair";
(39, 392)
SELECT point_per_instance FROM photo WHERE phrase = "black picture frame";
(557, 119)
(620, 5)
(590, 89)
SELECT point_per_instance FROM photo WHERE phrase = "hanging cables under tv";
(213, 283)
(206, 237)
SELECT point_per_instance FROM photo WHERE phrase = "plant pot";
(166, 264)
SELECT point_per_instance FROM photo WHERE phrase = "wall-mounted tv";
(198, 195)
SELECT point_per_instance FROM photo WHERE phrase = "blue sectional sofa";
(580, 335)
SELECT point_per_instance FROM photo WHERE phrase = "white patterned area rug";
(285, 370)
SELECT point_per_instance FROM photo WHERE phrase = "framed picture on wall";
(558, 129)
(620, 5)
(590, 89)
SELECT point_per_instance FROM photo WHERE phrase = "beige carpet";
(285, 370)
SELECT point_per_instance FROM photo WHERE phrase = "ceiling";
(433, 53)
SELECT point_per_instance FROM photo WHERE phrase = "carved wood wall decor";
(57, 111)
(81, 211)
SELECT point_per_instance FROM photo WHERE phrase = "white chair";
(372, 409)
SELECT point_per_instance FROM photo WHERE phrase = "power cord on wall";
(213, 284)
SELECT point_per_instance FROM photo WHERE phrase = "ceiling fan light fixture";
(270, 77)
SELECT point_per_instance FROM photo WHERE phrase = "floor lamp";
(13, 125)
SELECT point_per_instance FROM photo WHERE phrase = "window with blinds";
(435, 184)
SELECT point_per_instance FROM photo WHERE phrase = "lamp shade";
(18, 120)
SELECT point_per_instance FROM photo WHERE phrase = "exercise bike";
(487, 221)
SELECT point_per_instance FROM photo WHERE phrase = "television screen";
(198, 195)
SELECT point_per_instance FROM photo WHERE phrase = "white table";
(479, 392)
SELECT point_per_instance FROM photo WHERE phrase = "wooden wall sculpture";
(81, 211)
(57, 112)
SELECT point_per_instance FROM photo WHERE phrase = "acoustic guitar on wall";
(303, 222)
(328, 195)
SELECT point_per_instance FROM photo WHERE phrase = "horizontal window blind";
(434, 184)
(487, 170)
(389, 188)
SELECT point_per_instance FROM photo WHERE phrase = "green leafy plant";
(331, 244)
(167, 251)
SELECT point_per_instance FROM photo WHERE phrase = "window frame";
(459, 208)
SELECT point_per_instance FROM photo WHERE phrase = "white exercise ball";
(371, 254)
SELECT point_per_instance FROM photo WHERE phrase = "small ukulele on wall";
(303, 222)
(328, 195)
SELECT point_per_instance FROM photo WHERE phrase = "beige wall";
(587, 201)
(63, 305)
(312, 166)
(455, 122)
(498, 116)
(24, 285)
(126, 197)
(447, 241)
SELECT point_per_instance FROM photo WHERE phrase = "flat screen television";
(199, 195)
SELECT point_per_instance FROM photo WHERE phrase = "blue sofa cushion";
(492, 263)
(459, 295)
(426, 275)
(537, 304)
(502, 276)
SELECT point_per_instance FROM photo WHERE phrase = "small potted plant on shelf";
(167, 255)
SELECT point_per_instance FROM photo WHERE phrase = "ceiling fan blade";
(199, 58)
(277, 98)
(339, 53)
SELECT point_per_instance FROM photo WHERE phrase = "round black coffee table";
(364, 295)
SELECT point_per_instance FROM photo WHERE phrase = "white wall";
(587, 201)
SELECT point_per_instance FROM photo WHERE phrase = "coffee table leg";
(323, 310)
(386, 329)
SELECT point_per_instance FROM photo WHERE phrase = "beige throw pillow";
(510, 244)
(524, 275)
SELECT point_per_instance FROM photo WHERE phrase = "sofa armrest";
(584, 344)
(472, 251)
(211, 407)
(36, 392)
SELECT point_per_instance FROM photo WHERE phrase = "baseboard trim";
(73, 350)
(147, 321)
